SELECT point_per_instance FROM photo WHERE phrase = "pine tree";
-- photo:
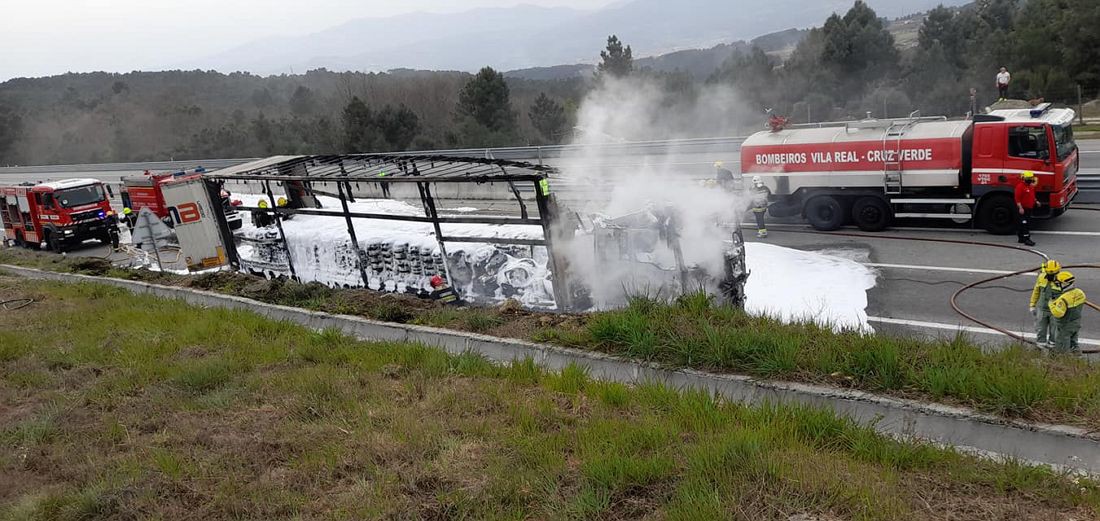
(360, 132)
(486, 99)
(398, 126)
(303, 101)
(617, 61)
(548, 117)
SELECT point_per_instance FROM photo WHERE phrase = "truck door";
(1029, 149)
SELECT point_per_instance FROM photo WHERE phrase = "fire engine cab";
(872, 171)
(147, 191)
(60, 214)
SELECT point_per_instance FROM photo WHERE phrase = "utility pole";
(1080, 107)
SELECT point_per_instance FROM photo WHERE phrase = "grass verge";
(693, 332)
(119, 406)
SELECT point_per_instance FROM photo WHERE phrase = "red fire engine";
(870, 172)
(147, 191)
(60, 214)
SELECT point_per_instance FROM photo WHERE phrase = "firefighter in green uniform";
(1044, 291)
(759, 195)
(1066, 309)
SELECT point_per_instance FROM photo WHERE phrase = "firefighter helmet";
(436, 281)
(1027, 175)
(127, 211)
(281, 202)
(756, 180)
(718, 164)
(263, 204)
(1065, 280)
(1051, 267)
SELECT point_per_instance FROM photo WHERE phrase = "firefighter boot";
(762, 233)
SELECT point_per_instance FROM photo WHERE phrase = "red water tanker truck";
(873, 171)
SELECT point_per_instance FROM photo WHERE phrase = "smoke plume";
(599, 182)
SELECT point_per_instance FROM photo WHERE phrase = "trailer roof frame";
(422, 169)
(385, 168)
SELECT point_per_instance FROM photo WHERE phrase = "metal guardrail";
(1088, 183)
(527, 153)
(1088, 186)
(157, 166)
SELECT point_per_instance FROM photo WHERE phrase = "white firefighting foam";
(320, 250)
(795, 285)
(791, 285)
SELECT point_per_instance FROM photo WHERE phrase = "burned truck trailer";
(313, 216)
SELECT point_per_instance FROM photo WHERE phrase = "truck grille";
(86, 216)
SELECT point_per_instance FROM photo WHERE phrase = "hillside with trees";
(849, 66)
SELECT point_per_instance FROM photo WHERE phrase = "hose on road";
(14, 304)
(967, 287)
(972, 318)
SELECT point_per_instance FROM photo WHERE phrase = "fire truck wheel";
(825, 213)
(998, 215)
(871, 214)
(54, 243)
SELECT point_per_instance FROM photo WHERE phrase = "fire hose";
(955, 304)
(954, 297)
(14, 304)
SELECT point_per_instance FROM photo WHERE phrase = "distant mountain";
(528, 36)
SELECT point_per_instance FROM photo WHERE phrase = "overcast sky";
(44, 37)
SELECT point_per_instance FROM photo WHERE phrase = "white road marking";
(942, 268)
(960, 327)
(752, 226)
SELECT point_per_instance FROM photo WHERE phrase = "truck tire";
(55, 243)
(825, 213)
(871, 214)
(998, 215)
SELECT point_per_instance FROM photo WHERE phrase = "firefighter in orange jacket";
(1067, 313)
(1044, 291)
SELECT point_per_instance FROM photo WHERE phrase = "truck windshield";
(79, 196)
(1063, 139)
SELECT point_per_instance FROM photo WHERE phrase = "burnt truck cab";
(60, 214)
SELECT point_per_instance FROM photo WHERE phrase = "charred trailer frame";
(301, 175)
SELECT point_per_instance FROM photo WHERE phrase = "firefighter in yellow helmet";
(1066, 309)
(1045, 290)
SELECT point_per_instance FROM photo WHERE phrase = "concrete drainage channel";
(1060, 446)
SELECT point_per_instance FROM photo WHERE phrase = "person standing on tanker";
(1025, 205)
(1066, 309)
(760, 195)
(1003, 79)
(1046, 289)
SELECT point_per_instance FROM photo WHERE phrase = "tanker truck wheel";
(871, 214)
(825, 213)
(998, 215)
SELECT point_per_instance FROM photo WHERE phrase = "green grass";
(693, 332)
(162, 410)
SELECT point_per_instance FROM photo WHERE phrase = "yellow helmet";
(1051, 267)
(127, 211)
(263, 204)
(280, 202)
(1027, 175)
(718, 164)
(1065, 279)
